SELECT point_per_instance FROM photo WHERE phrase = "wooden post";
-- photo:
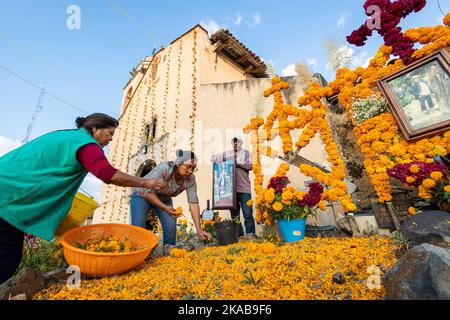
(393, 213)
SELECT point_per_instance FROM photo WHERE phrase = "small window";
(147, 133)
(153, 129)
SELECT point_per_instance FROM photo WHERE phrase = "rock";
(428, 227)
(384, 232)
(422, 274)
(21, 296)
(344, 225)
(248, 237)
(367, 224)
(188, 247)
(338, 278)
(27, 281)
(58, 276)
(167, 249)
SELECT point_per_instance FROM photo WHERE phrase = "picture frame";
(224, 185)
(419, 96)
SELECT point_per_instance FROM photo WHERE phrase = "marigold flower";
(414, 169)
(429, 183)
(410, 180)
(277, 206)
(447, 188)
(436, 175)
(412, 211)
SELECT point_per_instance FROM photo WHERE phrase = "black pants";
(11, 245)
(241, 202)
(424, 101)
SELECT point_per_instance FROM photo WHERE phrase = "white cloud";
(256, 18)
(342, 21)
(289, 71)
(312, 62)
(211, 26)
(92, 186)
(238, 20)
(7, 145)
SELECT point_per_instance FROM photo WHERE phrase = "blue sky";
(90, 66)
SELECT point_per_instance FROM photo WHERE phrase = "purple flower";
(279, 183)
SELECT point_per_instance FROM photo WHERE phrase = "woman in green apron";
(39, 181)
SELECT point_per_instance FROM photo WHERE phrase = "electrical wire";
(440, 8)
(41, 88)
(135, 22)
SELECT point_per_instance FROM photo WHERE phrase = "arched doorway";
(145, 168)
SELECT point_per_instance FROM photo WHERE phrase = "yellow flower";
(429, 183)
(250, 203)
(414, 169)
(277, 206)
(269, 196)
(287, 195)
(178, 253)
(410, 180)
(436, 175)
(447, 188)
(350, 207)
(412, 211)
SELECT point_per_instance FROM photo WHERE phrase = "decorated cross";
(385, 17)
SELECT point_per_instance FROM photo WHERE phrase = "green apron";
(39, 181)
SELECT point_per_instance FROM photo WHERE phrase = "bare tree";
(271, 70)
(339, 55)
(304, 73)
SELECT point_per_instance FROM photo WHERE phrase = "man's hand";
(204, 235)
(154, 184)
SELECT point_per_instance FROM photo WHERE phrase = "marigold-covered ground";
(250, 270)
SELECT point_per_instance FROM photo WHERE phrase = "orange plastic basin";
(97, 265)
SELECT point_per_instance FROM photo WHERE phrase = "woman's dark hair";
(96, 120)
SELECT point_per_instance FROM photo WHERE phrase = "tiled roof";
(231, 47)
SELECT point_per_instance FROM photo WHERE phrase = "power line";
(440, 8)
(53, 95)
(32, 56)
(122, 48)
(135, 22)
(41, 88)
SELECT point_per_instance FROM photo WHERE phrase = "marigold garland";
(312, 123)
(380, 138)
(194, 91)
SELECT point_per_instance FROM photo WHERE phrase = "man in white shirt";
(422, 91)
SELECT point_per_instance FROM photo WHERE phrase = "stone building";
(196, 93)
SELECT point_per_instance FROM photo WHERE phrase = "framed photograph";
(419, 96)
(224, 185)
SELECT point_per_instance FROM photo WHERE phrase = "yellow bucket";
(82, 208)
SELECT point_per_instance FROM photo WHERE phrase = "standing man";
(243, 160)
(422, 91)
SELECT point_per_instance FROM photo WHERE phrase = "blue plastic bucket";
(292, 230)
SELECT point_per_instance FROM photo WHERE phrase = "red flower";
(391, 14)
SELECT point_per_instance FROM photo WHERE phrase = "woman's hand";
(204, 235)
(172, 212)
(154, 184)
